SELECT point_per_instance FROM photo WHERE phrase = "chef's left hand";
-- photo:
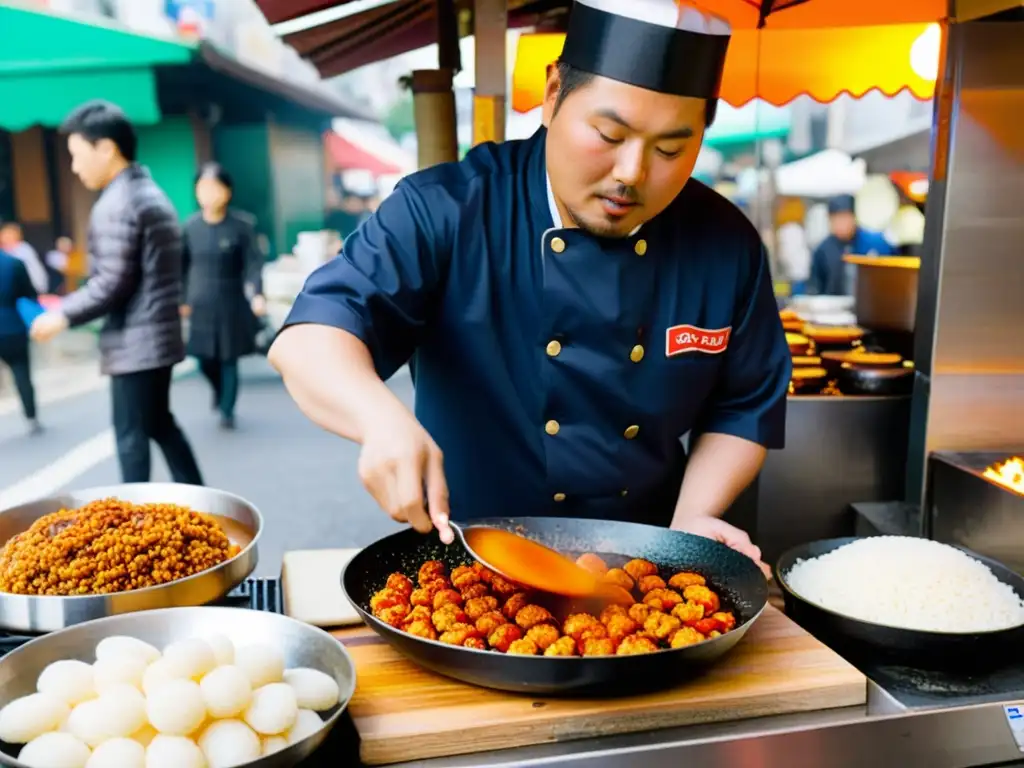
(730, 535)
(48, 325)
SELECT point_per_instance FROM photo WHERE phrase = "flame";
(1009, 474)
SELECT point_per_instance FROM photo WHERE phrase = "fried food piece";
(515, 604)
(544, 635)
(716, 622)
(478, 606)
(458, 634)
(476, 643)
(661, 626)
(430, 571)
(726, 620)
(386, 598)
(418, 613)
(639, 612)
(489, 622)
(447, 596)
(620, 627)
(638, 568)
(563, 646)
(649, 583)
(423, 596)
(596, 632)
(689, 613)
(502, 588)
(618, 577)
(663, 599)
(524, 647)
(703, 596)
(421, 628)
(598, 646)
(635, 645)
(436, 585)
(502, 637)
(685, 636)
(485, 573)
(576, 624)
(448, 616)
(463, 577)
(611, 611)
(476, 590)
(716, 633)
(593, 563)
(532, 615)
(400, 583)
(395, 615)
(684, 579)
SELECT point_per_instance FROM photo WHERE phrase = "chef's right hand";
(398, 462)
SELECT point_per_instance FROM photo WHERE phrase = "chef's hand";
(398, 461)
(730, 535)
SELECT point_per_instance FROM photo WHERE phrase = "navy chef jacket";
(556, 370)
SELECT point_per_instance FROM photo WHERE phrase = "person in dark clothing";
(135, 282)
(223, 285)
(15, 284)
(830, 275)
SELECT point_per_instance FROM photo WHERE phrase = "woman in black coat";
(15, 284)
(223, 286)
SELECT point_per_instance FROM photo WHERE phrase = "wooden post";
(434, 105)
(490, 25)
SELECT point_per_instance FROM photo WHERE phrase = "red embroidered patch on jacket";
(689, 338)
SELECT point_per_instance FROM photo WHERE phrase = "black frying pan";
(856, 379)
(736, 578)
(915, 648)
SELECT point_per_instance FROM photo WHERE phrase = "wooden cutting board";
(311, 585)
(403, 712)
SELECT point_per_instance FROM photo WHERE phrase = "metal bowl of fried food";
(269, 651)
(138, 580)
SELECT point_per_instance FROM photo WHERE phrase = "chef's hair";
(97, 120)
(572, 79)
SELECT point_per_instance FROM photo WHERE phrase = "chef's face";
(617, 155)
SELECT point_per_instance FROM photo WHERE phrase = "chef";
(573, 304)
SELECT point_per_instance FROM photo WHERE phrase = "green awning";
(750, 123)
(49, 64)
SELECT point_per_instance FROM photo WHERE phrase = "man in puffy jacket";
(15, 284)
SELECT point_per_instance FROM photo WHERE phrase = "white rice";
(909, 583)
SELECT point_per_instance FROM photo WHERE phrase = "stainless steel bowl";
(40, 613)
(302, 644)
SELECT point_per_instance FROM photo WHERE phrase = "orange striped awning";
(778, 65)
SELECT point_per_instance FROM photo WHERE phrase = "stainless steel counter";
(842, 738)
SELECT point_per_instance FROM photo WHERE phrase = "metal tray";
(36, 614)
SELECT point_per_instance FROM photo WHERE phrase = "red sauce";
(533, 565)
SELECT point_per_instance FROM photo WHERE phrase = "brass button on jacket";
(557, 244)
(554, 348)
(552, 427)
(641, 247)
(559, 497)
(631, 432)
(637, 353)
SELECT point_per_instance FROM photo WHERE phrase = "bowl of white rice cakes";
(913, 600)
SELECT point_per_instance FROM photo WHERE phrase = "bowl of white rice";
(906, 596)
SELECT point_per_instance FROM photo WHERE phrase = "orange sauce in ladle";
(534, 565)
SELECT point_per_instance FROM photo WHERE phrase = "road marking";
(60, 473)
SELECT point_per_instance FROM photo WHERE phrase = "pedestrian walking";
(135, 283)
(223, 287)
(15, 286)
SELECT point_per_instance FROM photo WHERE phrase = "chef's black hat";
(660, 45)
(841, 204)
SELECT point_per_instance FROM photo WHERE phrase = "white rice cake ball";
(109, 672)
(307, 722)
(191, 658)
(273, 709)
(314, 689)
(116, 714)
(272, 744)
(176, 708)
(120, 646)
(69, 680)
(223, 649)
(174, 752)
(262, 663)
(226, 692)
(56, 750)
(145, 735)
(229, 743)
(158, 673)
(118, 753)
(24, 719)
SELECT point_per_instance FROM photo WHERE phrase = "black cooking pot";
(735, 577)
(915, 648)
(856, 379)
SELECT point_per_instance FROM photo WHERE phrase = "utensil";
(886, 291)
(531, 564)
(47, 613)
(302, 645)
(912, 647)
(737, 579)
(856, 379)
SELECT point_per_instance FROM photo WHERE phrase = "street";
(302, 479)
